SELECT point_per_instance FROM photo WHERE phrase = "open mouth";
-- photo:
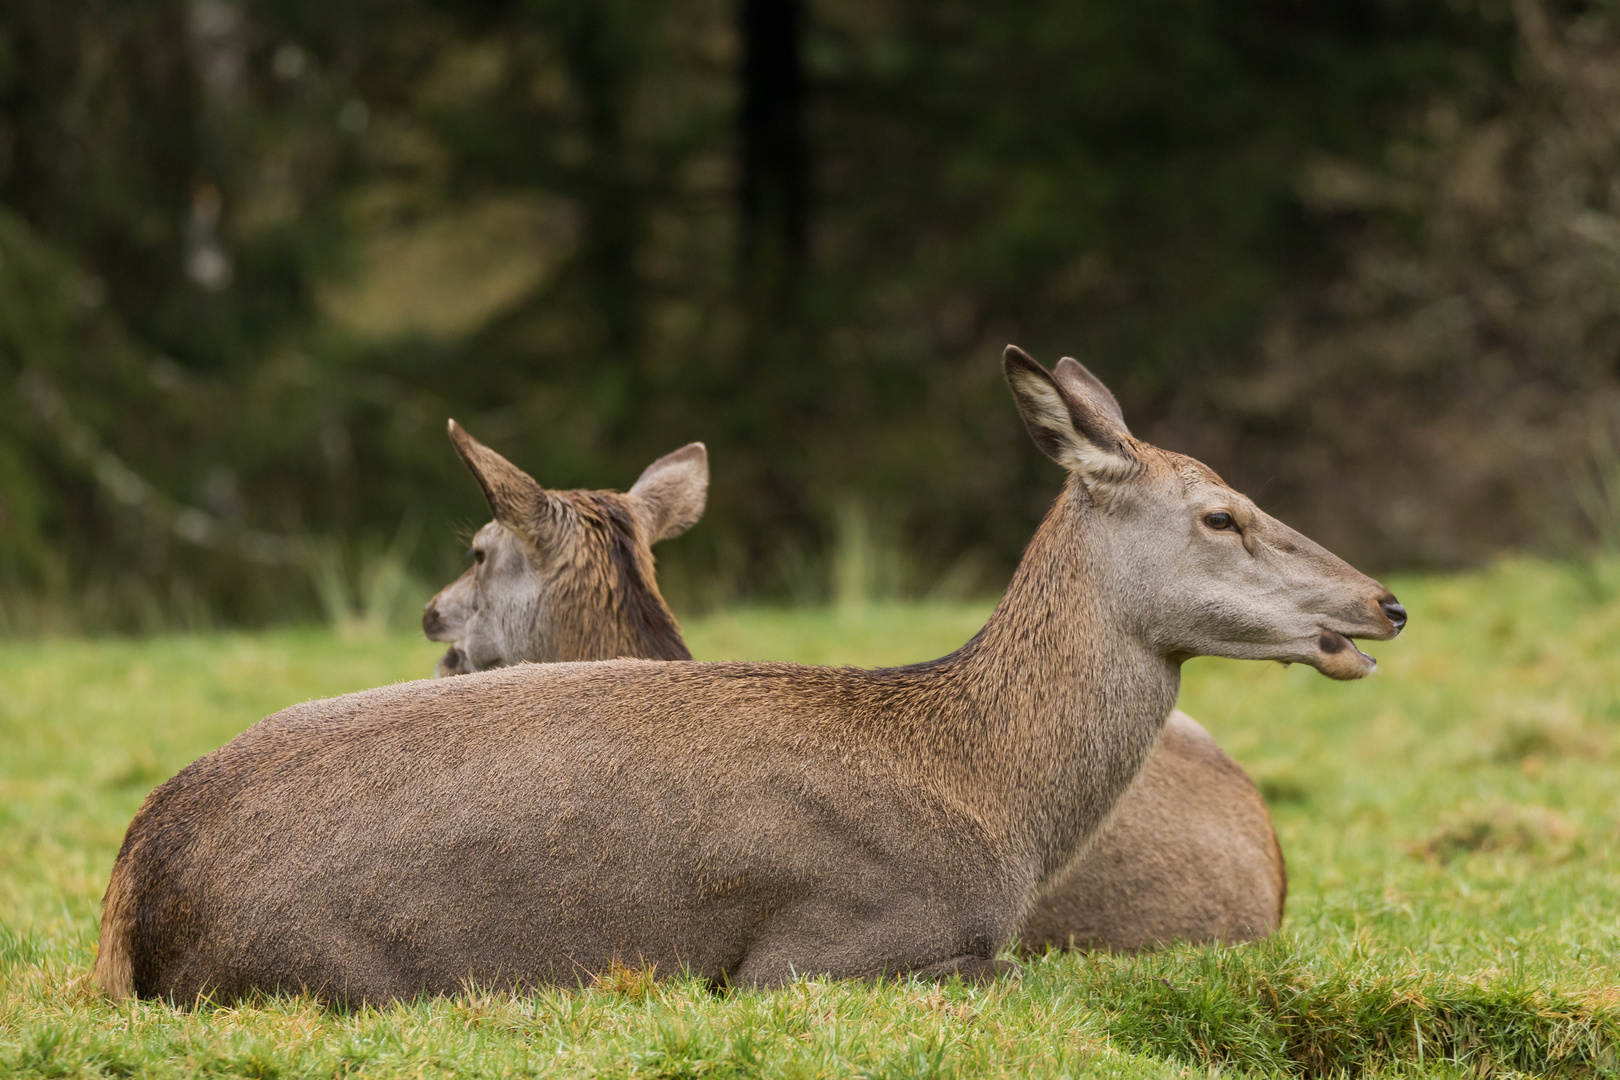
(1338, 657)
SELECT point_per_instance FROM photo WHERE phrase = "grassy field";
(1451, 826)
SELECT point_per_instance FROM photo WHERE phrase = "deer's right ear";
(672, 491)
(515, 498)
(1073, 430)
(1072, 375)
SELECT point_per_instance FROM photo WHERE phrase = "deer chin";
(1337, 657)
(453, 662)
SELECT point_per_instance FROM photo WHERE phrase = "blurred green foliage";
(253, 255)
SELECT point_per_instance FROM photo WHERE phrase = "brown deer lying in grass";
(1188, 855)
(745, 822)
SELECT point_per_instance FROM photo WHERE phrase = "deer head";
(1193, 568)
(565, 575)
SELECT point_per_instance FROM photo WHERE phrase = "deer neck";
(1068, 700)
(606, 601)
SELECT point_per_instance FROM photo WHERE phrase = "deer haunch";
(1190, 855)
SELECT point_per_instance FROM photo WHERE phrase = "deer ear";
(1072, 375)
(672, 491)
(515, 498)
(1068, 427)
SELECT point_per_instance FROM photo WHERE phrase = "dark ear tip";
(1014, 359)
(465, 444)
(470, 450)
(1070, 368)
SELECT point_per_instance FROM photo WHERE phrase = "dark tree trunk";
(778, 406)
(602, 59)
(775, 191)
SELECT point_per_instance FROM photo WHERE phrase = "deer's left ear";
(672, 491)
(1070, 428)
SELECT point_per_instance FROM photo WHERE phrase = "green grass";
(1451, 825)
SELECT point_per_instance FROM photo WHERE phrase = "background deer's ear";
(1073, 376)
(515, 498)
(672, 491)
(1068, 427)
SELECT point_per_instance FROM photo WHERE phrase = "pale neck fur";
(1056, 702)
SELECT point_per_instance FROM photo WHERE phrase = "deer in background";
(1189, 855)
(748, 823)
(566, 575)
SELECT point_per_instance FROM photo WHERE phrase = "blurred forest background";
(1362, 256)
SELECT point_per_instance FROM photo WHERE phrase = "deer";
(741, 823)
(574, 581)
(1189, 854)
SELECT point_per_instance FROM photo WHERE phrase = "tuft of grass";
(18, 947)
(631, 982)
(1281, 1007)
(1452, 827)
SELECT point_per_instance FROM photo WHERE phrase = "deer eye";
(1220, 521)
(477, 554)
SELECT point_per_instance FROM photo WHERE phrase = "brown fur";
(114, 968)
(748, 822)
(1190, 853)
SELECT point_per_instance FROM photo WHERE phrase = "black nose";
(431, 622)
(1397, 614)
